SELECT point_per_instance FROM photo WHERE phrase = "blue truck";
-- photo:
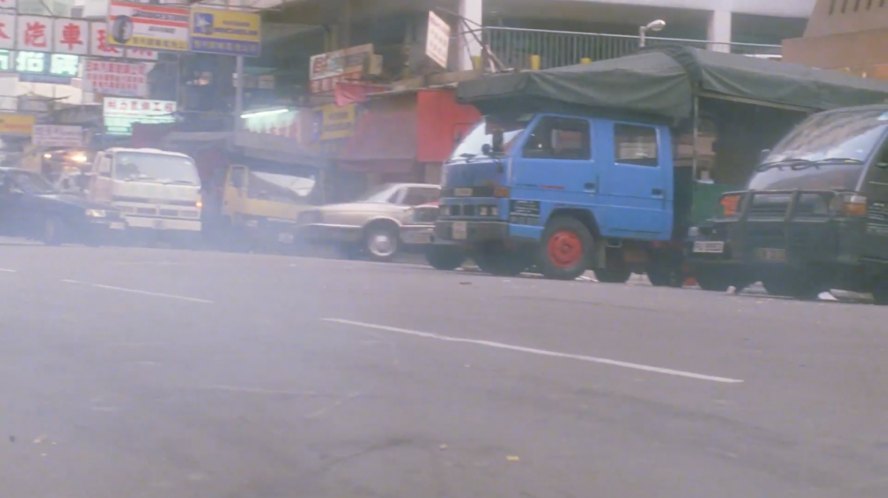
(598, 166)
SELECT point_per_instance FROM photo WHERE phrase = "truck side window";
(635, 144)
(559, 138)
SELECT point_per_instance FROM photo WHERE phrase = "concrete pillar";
(469, 48)
(719, 31)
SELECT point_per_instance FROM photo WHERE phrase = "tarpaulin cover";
(664, 82)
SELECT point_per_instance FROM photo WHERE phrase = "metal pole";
(238, 90)
(696, 134)
(642, 32)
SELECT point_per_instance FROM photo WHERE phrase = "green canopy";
(663, 82)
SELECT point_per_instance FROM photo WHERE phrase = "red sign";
(116, 78)
(35, 34)
(71, 36)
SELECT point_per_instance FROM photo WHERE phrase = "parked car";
(378, 224)
(31, 207)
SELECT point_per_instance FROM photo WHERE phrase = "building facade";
(850, 35)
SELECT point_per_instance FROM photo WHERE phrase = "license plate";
(117, 225)
(770, 254)
(709, 247)
(462, 192)
(418, 237)
(285, 238)
(460, 230)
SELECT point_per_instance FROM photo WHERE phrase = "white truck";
(158, 192)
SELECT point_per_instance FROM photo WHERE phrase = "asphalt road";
(175, 374)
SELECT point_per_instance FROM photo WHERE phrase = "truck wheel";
(662, 275)
(565, 248)
(53, 230)
(381, 242)
(619, 275)
(880, 293)
(793, 284)
(442, 257)
(502, 262)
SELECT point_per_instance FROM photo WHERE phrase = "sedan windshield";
(160, 168)
(829, 151)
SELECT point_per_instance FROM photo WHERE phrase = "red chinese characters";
(34, 33)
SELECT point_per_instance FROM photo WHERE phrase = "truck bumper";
(471, 232)
(163, 224)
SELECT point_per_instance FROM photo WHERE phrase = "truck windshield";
(482, 135)
(829, 151)
(159, 168)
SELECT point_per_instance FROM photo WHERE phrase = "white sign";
(116, 78)
(57, 136)
(155, 27)
(70, 36)
(438, 40)
(8, 4)
(99, 44)
(34, 33)
(7, 31)
(142, 54)
(325, 70)
(121, 113)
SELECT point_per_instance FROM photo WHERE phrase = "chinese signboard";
(41, 67)
(156, 27)
(438, 40)
(16, 124)
(116, 78)
(8, 5)
(226, 32)
(34, 33)
(100, 46)
(120, 113)
(70, 36)
(57, 136)
(342, 65)
(337, 121)
(7, 31)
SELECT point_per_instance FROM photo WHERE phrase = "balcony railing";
(541, 49)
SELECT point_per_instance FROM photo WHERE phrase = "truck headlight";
(96, 213)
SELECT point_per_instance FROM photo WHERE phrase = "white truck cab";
(154, 189)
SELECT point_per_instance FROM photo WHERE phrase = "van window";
(635, 144)
(559, 138)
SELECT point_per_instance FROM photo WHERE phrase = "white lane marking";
(7, 270)
(540, 352)
(140, 292)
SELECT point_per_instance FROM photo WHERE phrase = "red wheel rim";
(565, 249)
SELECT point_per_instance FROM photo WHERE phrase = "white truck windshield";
(159, 168)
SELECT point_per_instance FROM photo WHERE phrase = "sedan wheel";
(381, 243)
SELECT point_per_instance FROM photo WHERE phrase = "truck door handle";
(657, 192)
(590, 186)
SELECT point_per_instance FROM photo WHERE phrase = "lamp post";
(653, 26)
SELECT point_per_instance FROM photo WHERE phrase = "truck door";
(636, 184)
(876, 190)
(101, 184)
(555, 166)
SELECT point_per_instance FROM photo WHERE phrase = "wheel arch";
(583, 215)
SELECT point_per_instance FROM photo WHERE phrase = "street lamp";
(653, 26)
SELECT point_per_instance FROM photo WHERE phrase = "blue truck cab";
(561, 193)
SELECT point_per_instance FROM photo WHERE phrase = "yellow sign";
(337, 121)
(16, 124)
(227, 32)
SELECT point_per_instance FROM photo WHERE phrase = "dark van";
(814, 216)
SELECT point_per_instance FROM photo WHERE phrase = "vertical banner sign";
(34, 33)
(99, 41)
(156, 27)
(226, 32)
(438, 40)
(70, 36)
(116, 78)
(7, 30)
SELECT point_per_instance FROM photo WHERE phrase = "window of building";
(559, 138)
(635, 144)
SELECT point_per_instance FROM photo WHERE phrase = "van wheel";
(793, 284)
(442, 257)
(565, 249)
(501, 262)
(618, 275)
(664, 275)
(381, 242)
(53, 230)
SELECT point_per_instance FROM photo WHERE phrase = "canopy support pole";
(696, 135)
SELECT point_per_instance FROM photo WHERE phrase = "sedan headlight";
(96, 213)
